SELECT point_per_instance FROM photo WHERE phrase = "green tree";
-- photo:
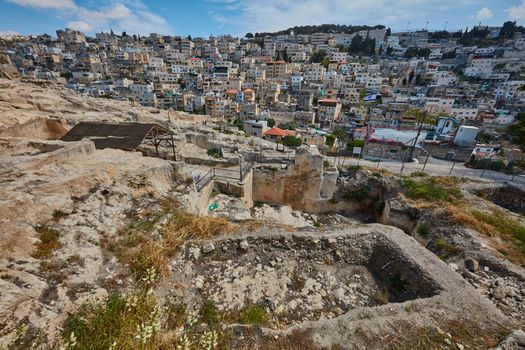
(508, 30)
(249, 36)
(239, 123)
(325, 62)
(356, 44)
(330, 140)
(411, 77)
(424, 52)
(340, 133)
(411, 52)
(354, 143)
(517, 131)
(288, 126)
(318, 56)
(292, 141)
(271, 122)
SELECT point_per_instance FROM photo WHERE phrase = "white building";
(480, 67)
(143, 93)
(466, 136)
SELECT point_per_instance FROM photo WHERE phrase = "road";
(434, 167)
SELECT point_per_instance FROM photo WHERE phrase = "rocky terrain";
(107, 249)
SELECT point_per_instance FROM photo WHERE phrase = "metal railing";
(201, 182)
(226, 174)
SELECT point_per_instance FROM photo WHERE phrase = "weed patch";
(120, 322)
(432, 189)
(423, 229)
(49, 242)
(358, 195)
(443, 245)
(355, 168)
(253, 314)
(59, 214)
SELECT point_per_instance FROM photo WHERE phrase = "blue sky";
(205, 17)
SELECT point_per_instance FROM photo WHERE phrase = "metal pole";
(486, 166)
(403, 164)
(240, 170)
(380, 155)
(426, 160)
(453, 164)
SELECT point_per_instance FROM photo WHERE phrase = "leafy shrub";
(486, 163)
(354, 168)
(215, 152)
(292, 141)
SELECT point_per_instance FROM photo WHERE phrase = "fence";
(225, 174)
(288, 159)
(489, 169)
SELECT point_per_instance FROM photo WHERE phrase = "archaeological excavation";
(184, 234)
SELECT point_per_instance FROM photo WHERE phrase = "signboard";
(356, 151)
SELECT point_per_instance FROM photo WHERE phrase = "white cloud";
(483, 14)
(80, 25)
(8, 33)
(45, 4)
(130, 16)
(517, 12)
(272, 15)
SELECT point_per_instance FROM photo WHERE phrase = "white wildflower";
(150, 277)
(144, 332)
(185, 343)
(208, 340)
(193, 317)
(71, 342)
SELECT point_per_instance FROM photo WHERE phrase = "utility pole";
(411, 153)
(426, 161)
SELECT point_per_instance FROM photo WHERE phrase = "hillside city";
(319, 187)
(306, 81)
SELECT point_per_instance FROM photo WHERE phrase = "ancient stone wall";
(300, 186)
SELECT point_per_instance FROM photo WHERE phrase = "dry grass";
(461, 331)
(139, 249)
(506, 233)
(184, 226)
